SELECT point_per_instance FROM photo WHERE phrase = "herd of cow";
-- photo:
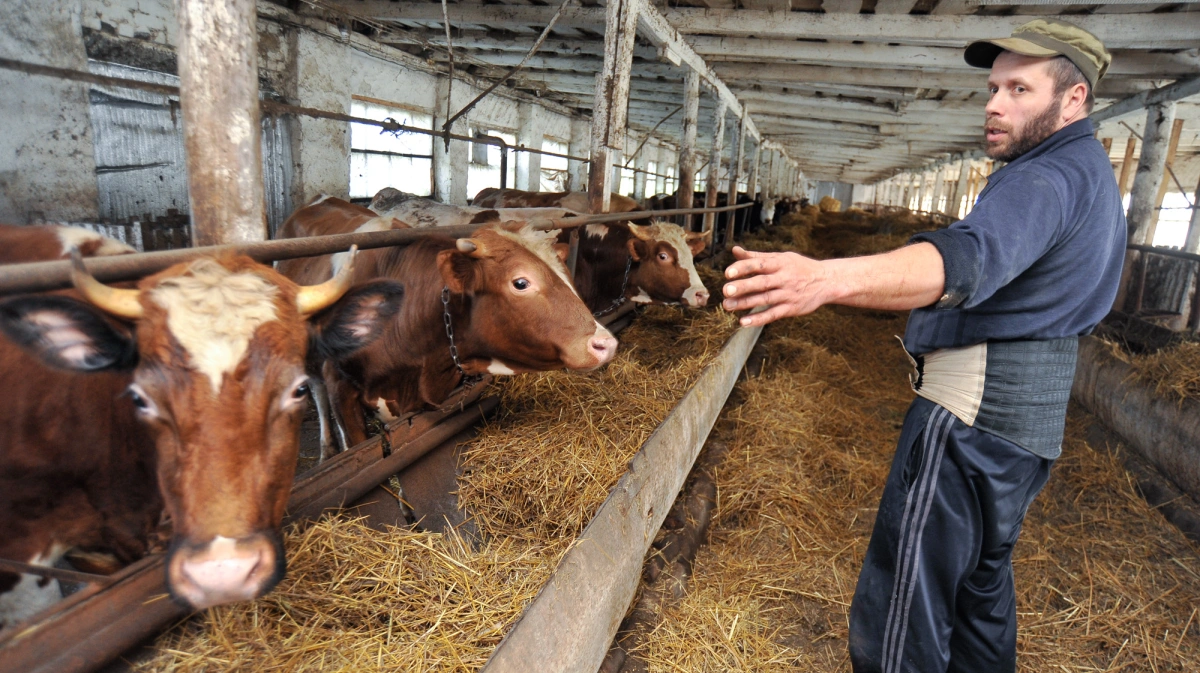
(170, 408)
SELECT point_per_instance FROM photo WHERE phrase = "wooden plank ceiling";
(855, 90)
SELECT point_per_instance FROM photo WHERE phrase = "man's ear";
(637, 248)
(357, 319)
(67, 333)
(459, 271)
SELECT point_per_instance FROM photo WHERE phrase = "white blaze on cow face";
(541, 244)
(213, 313)
(74, 238)
(596, 230)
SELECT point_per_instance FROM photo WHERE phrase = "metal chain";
(620, 300)
(467, 381)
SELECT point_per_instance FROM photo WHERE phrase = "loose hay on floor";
(1104, 582)
(1174, 371)
(356, 599)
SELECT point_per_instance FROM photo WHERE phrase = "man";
(999, 300)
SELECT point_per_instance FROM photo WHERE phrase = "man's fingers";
(750, 285)
(762, 318)
(760, 263)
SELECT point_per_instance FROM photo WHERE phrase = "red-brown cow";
(44, 242)
(419, 212)
(504, 291)
(660, 262)
(195, 379)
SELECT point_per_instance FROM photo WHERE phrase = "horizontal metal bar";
(40, 276)
(1165, 252)
(7, 565)
(385, 153)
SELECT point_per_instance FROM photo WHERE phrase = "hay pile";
(828, 204)
(1174, 372)
(355, 599)
(1104, 582)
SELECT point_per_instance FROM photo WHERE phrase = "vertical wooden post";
(755, 163)
(639, 175)
(939, 184)
(612, 99)
(218, 92)
(1126, 166)
(1165, 185)
(736, 153)
(529, 134)
(767, 186)
(1193, 236)
(578, 145)
(684, 195)
(960, 188)
(1155, 138)
(714, 164)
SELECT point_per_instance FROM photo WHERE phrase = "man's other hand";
(788, 283)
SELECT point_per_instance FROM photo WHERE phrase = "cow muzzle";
(601, 349)
(225, 570)
(696, 297)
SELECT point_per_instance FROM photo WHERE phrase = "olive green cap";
(1047, 37)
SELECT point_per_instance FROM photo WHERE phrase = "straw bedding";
(356, 599)
(1174, 372)
(1103, 581)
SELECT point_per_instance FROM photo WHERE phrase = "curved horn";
(117, 301)
(313, 298)
(471, 246)
(637, 230)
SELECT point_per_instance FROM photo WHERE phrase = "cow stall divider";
(115, 613)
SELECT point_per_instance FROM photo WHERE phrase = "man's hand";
(790, 284)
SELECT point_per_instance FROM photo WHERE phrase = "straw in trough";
(357, 599)
(1103, 581)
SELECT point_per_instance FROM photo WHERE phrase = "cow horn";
(313, 298)
(117, 301)
(471, 247)
(636, 230)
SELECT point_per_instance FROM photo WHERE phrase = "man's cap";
(1047, 37)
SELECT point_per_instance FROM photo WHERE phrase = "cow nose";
(701, 297)
(603, 346)
(223, 571)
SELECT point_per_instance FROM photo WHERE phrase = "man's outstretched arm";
(791, 284)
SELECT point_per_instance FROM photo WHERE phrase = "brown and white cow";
(45, 242)
(510, 306)
(184, 395)
(660, 261)
(419, 212)
(491, 197)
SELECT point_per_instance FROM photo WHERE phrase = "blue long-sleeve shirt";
(1040, 255)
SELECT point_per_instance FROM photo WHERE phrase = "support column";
(687, 147)
(921, 191)
(939, 184)
(755, 163)
(714, 164)
(450, 167)
(737, 154)
(660, 166)
(612, 99)
(1142, 213)
(1126, 166)
(639, 177)
(529, 134)
(218, 93)
(1164, 187)
(578, 147)
(1193, 236)
(960, 189)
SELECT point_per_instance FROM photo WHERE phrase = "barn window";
(554, 169)
(651, 180)
(484, 169)
(626, 182)
(379, 160)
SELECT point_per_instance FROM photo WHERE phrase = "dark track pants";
(936, 589)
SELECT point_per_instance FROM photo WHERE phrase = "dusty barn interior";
(392, 334)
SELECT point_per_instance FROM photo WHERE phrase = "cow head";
(666, 271)
(216, 353)
(525, 314)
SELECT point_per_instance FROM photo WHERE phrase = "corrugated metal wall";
(140, 163)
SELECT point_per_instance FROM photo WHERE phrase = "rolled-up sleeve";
(1013, 225)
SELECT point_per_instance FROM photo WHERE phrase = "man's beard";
(1028, 137)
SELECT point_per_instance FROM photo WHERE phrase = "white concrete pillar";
(529, 134)
(1143, 216)
(687, 145)
(1193, 236)
(321, 147)
(639, 177)
(577, 171)
(939, 182)
(661, 156)
(960, 188)
(450, 166)
(714, 164)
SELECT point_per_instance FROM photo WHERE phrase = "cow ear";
(696, 242)
(562, 250)
(67, 333)
(357, 319)
(458, 271)
(637, 248)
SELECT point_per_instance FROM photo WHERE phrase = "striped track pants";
(936, 588)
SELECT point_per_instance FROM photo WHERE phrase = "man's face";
(1023, 109)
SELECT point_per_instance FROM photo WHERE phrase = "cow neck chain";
(620, 300)
(468, 382)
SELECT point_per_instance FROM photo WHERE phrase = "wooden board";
(571, 623)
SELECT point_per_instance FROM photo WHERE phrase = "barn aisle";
(1104, 582)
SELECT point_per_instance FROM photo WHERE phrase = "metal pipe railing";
(42, 276)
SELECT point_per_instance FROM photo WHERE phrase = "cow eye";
(521, 284)
(140, 400)
(664, 257)
(302, 391)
